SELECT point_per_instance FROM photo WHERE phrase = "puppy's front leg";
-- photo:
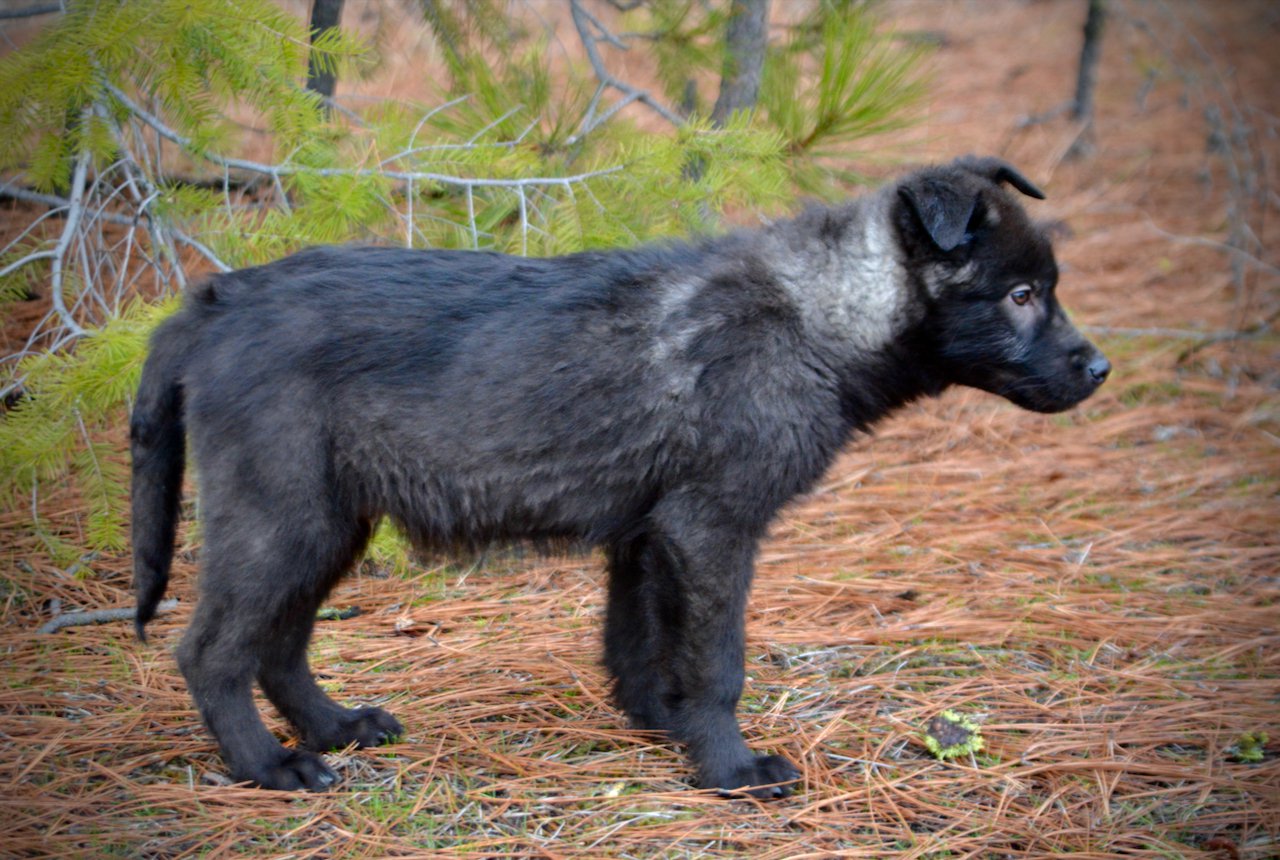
(704, 646)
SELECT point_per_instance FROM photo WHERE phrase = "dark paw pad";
(765, 776)
(364, 727)
(291, 770)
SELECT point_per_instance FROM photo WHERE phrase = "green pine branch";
(118, 114)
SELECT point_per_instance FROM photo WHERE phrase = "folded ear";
(945, 209)
(998, 170)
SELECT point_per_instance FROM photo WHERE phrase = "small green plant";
(951, 735)
(1249, 748)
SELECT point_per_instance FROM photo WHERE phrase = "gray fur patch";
(853, 291)
(675, 329)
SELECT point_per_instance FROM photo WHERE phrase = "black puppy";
(664, 402)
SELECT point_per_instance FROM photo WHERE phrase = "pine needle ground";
(1096, 591)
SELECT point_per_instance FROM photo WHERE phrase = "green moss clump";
(950, 735)
(1249, 748)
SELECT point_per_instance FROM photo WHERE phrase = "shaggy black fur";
(663, 402)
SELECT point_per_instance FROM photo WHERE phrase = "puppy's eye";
(1020, 296)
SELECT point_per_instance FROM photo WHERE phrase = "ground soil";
(1097, 590)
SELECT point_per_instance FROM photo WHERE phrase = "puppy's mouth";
(1046, 394)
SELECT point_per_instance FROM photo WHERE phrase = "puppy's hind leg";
(634, 622)
(234, 625)
(263, 577)
(286, 679)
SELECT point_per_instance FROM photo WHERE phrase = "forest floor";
(1098, 590)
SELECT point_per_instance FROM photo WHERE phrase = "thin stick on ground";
(98, 616)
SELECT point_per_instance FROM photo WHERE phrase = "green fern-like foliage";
(503, 157)
(834, 81)
(190, 57)
(71, 402)
(687, 44)
(834, 86)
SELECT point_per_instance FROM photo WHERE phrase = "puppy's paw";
(290, 770)
(372, 727)
(364, 727)
(765, 776)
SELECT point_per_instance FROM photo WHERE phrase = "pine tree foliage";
(192, 57)
(72, 401)
(834, 80)
(117, 120)
(686, 43)
(865, 85)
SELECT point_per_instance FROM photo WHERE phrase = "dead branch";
(585, 23)
(276, 171)
(30, 11)
(98, 616)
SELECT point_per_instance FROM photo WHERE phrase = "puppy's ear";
(998, 170)
(945, 209)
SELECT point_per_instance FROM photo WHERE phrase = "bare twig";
(30, 258)
(87, 209)
(30, 11)
(14, 192)
(98, 616)
(280, 170)
(1230, 134)
(200, 248)
(53, 201)
(1238, 254)
(471, 217)
(75, 207)
(26, 231)
(585, 23)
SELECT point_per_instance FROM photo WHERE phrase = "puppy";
(663, 402)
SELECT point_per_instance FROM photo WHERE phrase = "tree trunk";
(325, 15)
(745, 41)
(1082, 107)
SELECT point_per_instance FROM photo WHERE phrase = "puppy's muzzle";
(1091, 364)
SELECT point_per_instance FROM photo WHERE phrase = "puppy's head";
(985, 277)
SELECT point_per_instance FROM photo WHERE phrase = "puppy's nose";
(1099, 369)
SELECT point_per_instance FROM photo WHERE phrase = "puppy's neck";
(843, 268)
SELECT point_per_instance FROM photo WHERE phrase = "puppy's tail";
(157, 442)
